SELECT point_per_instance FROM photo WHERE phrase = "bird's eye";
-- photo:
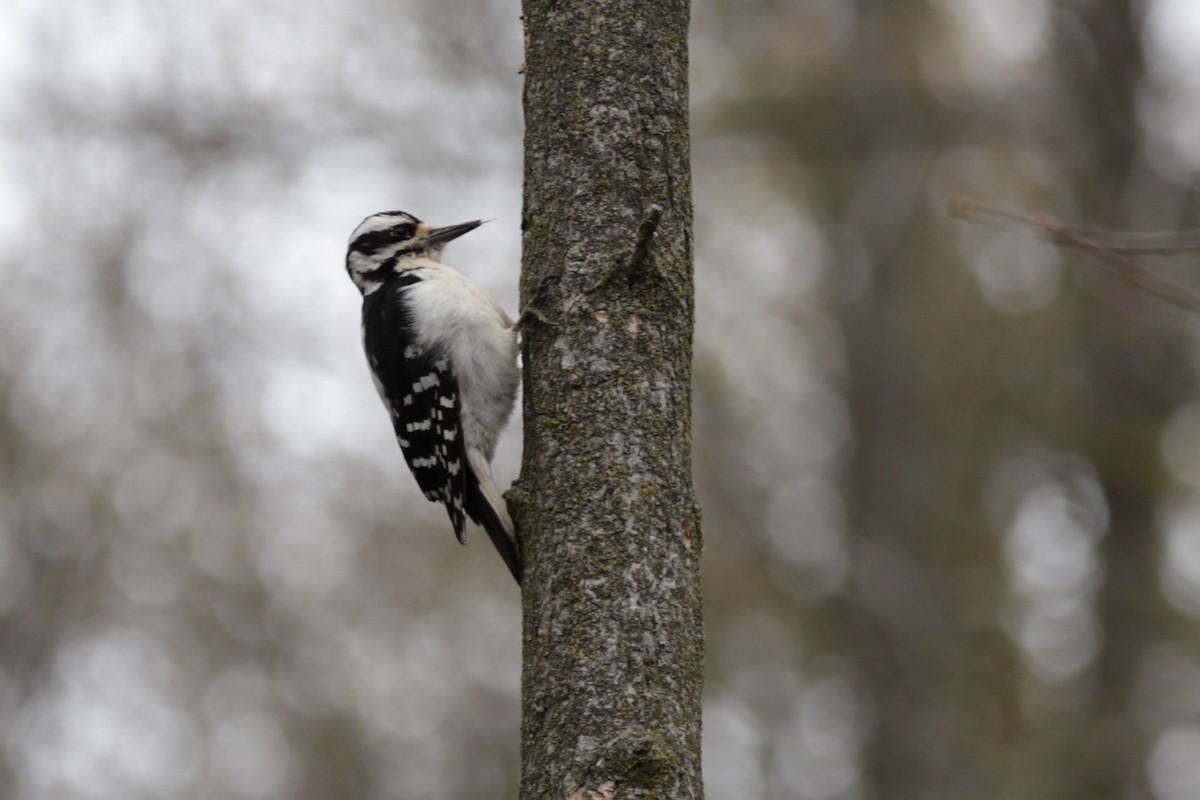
(402, 231)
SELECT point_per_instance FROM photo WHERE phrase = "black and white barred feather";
(443, 356)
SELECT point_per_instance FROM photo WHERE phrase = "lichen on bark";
(610, 530)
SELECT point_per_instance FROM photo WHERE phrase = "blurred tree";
(1135, 363)
(611, 536)
(987, 577)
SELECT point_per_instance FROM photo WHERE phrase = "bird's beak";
(439, 236)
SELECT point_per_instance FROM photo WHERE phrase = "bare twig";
(1109, 249)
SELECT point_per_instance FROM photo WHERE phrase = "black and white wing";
(422, 397)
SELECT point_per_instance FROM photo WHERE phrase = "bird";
(443, 356)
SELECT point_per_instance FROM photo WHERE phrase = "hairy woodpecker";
(444, 359)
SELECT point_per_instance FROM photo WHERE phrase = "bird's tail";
(487, 508)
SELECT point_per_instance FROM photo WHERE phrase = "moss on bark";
(610, 531)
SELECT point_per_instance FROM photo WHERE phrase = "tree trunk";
(613, 643)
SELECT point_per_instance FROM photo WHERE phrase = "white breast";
(457, 318)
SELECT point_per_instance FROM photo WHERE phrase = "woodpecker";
(444, 359)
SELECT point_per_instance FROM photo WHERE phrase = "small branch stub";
(535, 310)
(645, 239)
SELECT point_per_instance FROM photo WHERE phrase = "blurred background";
(950, 477)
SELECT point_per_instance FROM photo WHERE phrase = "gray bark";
(613, 642)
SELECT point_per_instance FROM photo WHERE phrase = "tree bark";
(613, 642)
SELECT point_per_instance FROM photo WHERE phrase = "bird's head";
(381, 243)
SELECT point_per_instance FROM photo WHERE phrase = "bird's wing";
(421, 394)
